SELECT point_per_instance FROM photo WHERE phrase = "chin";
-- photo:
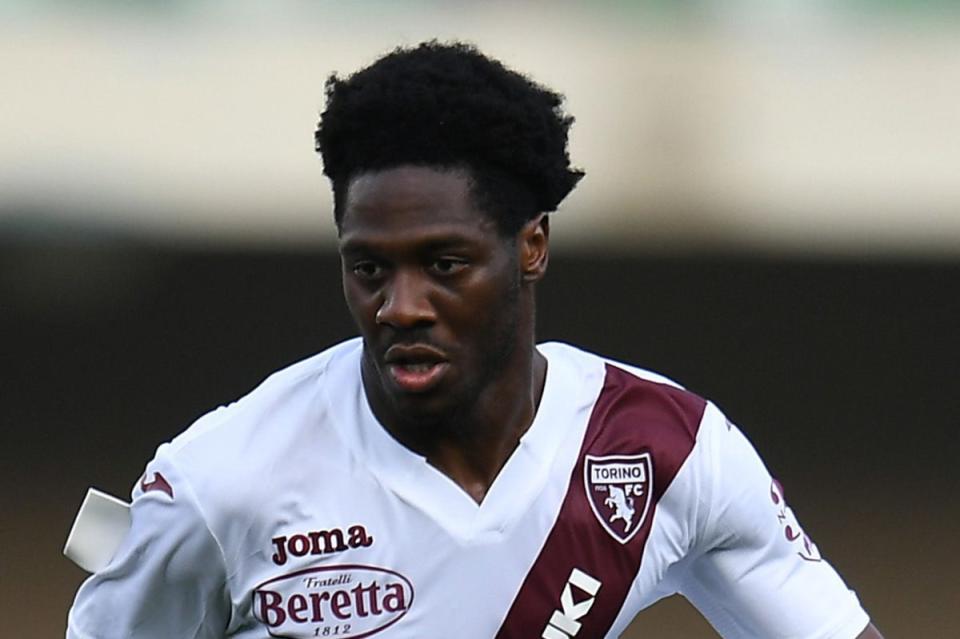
(420, 410)
(427, 410)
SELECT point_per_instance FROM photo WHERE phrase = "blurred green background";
(771, 215)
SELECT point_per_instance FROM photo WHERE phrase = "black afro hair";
(449, 106)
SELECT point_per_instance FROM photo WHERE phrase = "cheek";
(488, 307)
(358, 303)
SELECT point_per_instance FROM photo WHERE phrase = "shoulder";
(285, 393)
(634, 401)
(239, 442)
(658, 402)
(639, 415)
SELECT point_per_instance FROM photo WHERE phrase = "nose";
(406, 302)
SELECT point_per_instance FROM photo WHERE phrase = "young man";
(443, 475)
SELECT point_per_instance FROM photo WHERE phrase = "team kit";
(310, 520)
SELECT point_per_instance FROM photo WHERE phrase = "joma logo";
(319, 542)
(565, 622)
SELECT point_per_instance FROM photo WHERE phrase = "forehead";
(406, 200)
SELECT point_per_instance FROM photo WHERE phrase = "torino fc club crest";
(619, 489)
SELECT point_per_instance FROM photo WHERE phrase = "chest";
(360, 560)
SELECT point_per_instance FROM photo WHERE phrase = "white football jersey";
(293, 513)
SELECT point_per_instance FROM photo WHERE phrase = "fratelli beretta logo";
(348, 600)
(619, 489)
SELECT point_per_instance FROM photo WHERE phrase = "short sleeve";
(755, 573)
(168, 577)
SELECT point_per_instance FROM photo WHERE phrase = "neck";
(473, 445)
(473, 453)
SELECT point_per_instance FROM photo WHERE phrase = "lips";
(415, 368)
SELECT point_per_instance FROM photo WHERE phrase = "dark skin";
(445, 305)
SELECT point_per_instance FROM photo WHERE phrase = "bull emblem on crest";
(621, 504)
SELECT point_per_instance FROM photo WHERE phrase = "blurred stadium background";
(771, 215)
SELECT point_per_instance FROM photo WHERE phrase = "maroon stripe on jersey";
(631, 417)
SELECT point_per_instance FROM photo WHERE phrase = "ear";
(533, 246)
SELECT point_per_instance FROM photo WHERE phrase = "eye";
(448, 265)
(367, 269)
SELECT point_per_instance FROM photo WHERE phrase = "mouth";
(415, 369)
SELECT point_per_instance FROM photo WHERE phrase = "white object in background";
(100, 526)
